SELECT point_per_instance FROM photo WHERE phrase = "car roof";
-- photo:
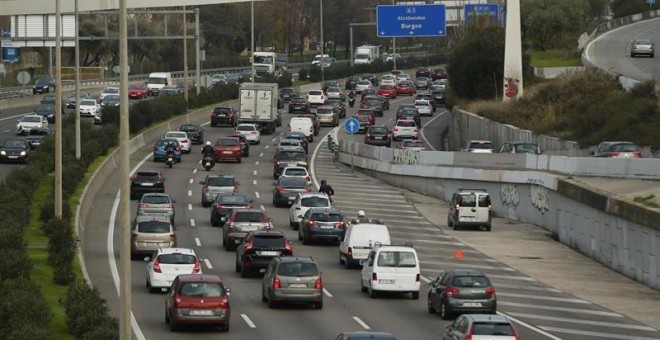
(153, 217)
(331, 210)
(199, 278)
(267, 232)
(479, 141)
(389, 247)
(470, 191)
(308, 259)
(465, 272)
(292, 148)
(220, 176)
(186, 251)
(487, 317)
(155, 194)
(312, 194)
(242, 210)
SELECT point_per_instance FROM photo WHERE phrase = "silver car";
(151, 232)
(327, 115)
(241, 222)
(217, 184)
(156, 203)
(642, 46)
(335, 92)
(291, 279)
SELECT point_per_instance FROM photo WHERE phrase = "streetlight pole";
(185, 56)
(77, 113)
(322, 45)
(58, 111)
(252, 75)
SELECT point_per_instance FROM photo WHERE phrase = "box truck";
(258, 105)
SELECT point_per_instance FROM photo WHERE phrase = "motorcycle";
(208, 162)
(170, 160)
(351, 102)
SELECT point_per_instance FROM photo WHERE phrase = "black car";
(14, 150)
(288, 156)
(329, 83)
(439, 73)
(286, 189)
(43, 85)
(339, 105)
(384, 101)
(194, 132)
(48, 99)
(110, 101)
(298, 135)
(423, 71)
(461, 291)
(374, 105)
(36, 136)
(322, 224)
(47, 111)
(351, 82)
(224, 116)
(439, 95)
(288, 93)
(298, 104)
(370, 77)
(225, 203)
(143, 182)
(378, 135)
(258, 248)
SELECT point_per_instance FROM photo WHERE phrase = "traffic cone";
(458, 254)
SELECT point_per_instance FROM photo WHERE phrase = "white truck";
(158, 80)
(258, 105)
(366, 54)
(270, 63)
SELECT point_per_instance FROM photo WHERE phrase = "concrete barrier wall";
(622, 235)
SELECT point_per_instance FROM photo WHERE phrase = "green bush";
(15, 263)
(87, 314)
(61, 250)
(23, 309)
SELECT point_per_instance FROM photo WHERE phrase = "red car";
(439, 73)
(196, 299)
(388, 91)
(138, 91)
(228, 149)
(405, 88)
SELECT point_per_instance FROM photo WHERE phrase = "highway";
(542, 312)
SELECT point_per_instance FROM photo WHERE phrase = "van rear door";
(484, 207)
(467, 210)
(406, 270)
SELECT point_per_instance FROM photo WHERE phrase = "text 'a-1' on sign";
(491, 11)
(411, 21)
(351, 125)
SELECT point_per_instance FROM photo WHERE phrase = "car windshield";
(492, 328)
(405, 259)
(297, 269)
(314, 201)
(222, 110)
(12, 143)
(88, 102)
(202, 289)
(227, 142)
(292, 156)
(378, 130)
(268, 241)
(157, 80)
(233, 199)
(176, 259)
(470, 281)
(31, 119)
(246, 128)
(529, 148)
(293, 182)
(155, 199)
(220, 182)
(481, 145)
(154, 227)
(326, 217)
(624, 148)
(295, 172)
(250, 216)
(406, 123)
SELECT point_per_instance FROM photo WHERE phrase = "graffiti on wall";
(509, 195)
(539, 195)
(405, 156)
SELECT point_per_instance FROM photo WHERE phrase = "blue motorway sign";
(478, 10)
(11, 54)
(650, 2)
(411, 21)
(351, 125)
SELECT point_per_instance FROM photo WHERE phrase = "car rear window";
(314, 202)
(268, 241)
(492, 328)
(153, 227)
(292, 156)
(202, 289)
(293, 182)
(222, 110)
(373, 102)
(378, 129)
(155, 199)
(250, 216)
(164, 142)
(234, 199)
(402, 259)
(315, 93)
(624, 148)
(295, 172)
(484, 200)
(324, 111)
(405, 123)
(176, 259)
(326, 217)
(147, 175)
(481, 145)
(468, 200)
(246, 128)
(298, 100)
(298, 269)
(227, 142)
(470, 281)
(220, 182)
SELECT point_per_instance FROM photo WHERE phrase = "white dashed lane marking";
(256, 194)
(192, 222)
(189, 192)
(198, 242)
(361, 323)
(248, 321)
(192, 181)
(254, 182)
(189, 206)
(208, 263)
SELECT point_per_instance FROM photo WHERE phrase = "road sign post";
(352, 125)
(411, 21)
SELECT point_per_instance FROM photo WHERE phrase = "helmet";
(324, 182)
(170, 143)
(361, 213)
(208, 143)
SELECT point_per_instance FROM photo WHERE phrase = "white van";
(304, 125)
(391, 269)
(360, 238)
(157, 81)
(470, 208)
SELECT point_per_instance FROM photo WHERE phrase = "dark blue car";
(46, 110)
(43, 85)
(161, 146)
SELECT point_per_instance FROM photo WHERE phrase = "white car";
(412, 144)
(316, 97)
(108, 91)
(403, 77)
(391, 269)
(424, 107)
(296, 171)
(29, 122)
(404, 129)
(250, 132)
(183, 139)
(388, 79)
(335, 92)
(303, 202)
(89, 107)
(304, 125)
(363, 85)
(167, 264)
(479, 146)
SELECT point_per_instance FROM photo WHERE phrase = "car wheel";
(213, 124)
(300, 236)
(244, 272)
(296, 225)
(271, 304)
(239, 160)
(305, 239)
(291, 224)
(363, 289)
(237, 266)
(444, 311)
(225, 244)
(263, 296)
(372, 292)
(318, 305)
(341, 262)
(429, 304)
(488, 227)
(415, 295)
(347, 263)
(449, 225)
(455, 226)
(225, 327)
(173, 326)
(167, 317)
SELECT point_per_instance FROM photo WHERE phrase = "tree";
(622, 8)
(546, 23)
(225, 26)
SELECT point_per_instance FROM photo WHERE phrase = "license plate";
(13, 157)
(291, 199)
(201, 312)
(297, 107)
(227, 152)
(297, 285)
(327, 227)
(208, 163)
(383, 281)
(378, 138)
(250, 228)
(268, 253)
(147, 184)
(467, 218)
(262, 270)
(471, 304)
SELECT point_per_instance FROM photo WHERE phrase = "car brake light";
(277, 284)
(231, 225)
(367, 136)
(311, 223)
(142, 205)
(206, 188)
(470, 150)
(197, 267)
(248, 246)
(308, 190)
(613, 154)
(490, 210)
(235, 189)
(414, 129)
(157, 266)
(341, 225)
(177, 300)
(451, 290)
(173, 235)
(374, 277)
(417, 277)
(160, 177)
(288, 246)
(350, 252)
(134, 233)
(219, 206)
(637, 154)
(490, 291)
(468, 336)
(318, 284)
(169, 206)
(396, 128)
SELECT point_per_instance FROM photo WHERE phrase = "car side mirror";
(147, 259)
(228, 290)
(299, 216)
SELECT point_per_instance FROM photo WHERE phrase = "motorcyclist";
(362, 217)
(208, 150)
(169, 150)
(326, 189)
(351, 98)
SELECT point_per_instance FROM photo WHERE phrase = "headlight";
(22, 153)
(3, 152)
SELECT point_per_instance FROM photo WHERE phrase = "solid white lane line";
(6, 131)
(274, 140)
(467, 265)
(256, 194)
(198, 242)
(535, 288)
(266, 146)
(208, 263)
(417, 225)
(189, 206)
(425, 279)
(546, 298)
(326, 292)
(261, 154)
(248, 321)
(526, 325)
(511, 277)
(424, 128)
(561, 309)
(254, 182)
(256, 163)
(254, 172)
(192, 222)
(194, 171)
(584, 322)
(192, 180)
(189, 192)
(595, 334)
(361, 323)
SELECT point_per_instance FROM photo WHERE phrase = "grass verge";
(553, 58)
(647, 201)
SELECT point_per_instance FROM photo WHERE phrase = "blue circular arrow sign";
(351, 125)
